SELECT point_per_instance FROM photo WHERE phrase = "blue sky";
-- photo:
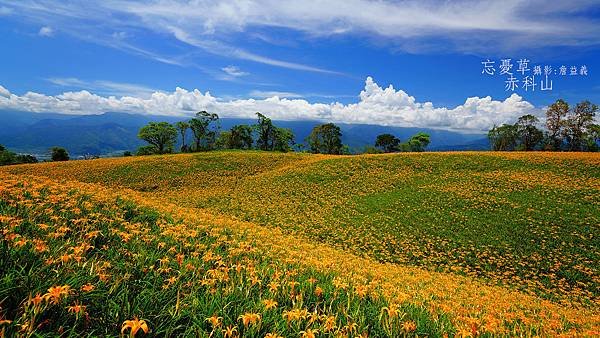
(297, 59)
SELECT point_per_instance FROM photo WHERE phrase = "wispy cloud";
(234, 71)
(266, 94)
(516, 23)
(108, 22)
(105, 87)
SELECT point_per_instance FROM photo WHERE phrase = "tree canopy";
(160, 135)
(325, 139)
(388, 143)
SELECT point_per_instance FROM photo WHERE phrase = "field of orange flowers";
(252, 244)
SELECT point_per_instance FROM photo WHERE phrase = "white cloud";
(46, 31)
(376, 105)
(4, 92)
(467, 23)
(234, 71)
(412, 25)
(105, 87)
(272, 93)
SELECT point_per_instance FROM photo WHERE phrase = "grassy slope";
(525, 220)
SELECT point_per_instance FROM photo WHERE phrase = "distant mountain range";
(113, 133)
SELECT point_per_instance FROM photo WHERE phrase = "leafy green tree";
(325, 139)
(127, 153)
(503, 138)
(528, 134)
(578, 123)
(26, 158)
(266, 132)
(204, 128)
(223, 140)
(271, 137)
(283, 139)
(182, 127)
(419, 142)
(240, 137)
(6, 157)
(59, 154)
(556, 115)
(160, 135)
(387, 142)
(593, 138)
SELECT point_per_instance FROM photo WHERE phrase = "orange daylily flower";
(134, 325)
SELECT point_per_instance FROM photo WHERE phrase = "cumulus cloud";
(376, 105)
(46, 31)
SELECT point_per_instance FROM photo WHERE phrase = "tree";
(387, 142)
(8, 157)
(529, 135)
(204, 135)
(182, 127)
(325, 139)
(578, 123)
(283, 139)
(240, 137)
(59, 154)
(555, 122)
(271, 137)
(26, 158)
(503, 138)
(419, 141)
(160, 135)
(266, 132)
(593, 137)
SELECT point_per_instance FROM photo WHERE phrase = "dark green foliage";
(204, 129)
(240, 137)
(271, 137)
(419, 142)
(127, 153)
(387, 142)
(567, 129)
(8, 157)
(283, 139)
(577, 125)
(160, 135)
(265, 130)
(555, 119)
(503, 138)
(26, 158)
(59, 154)
(146, 150)
(528, 134)
(182, 127)
(325, 139)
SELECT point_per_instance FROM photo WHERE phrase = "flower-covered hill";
(512, 237)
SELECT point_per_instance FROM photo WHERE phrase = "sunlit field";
(227, 244)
